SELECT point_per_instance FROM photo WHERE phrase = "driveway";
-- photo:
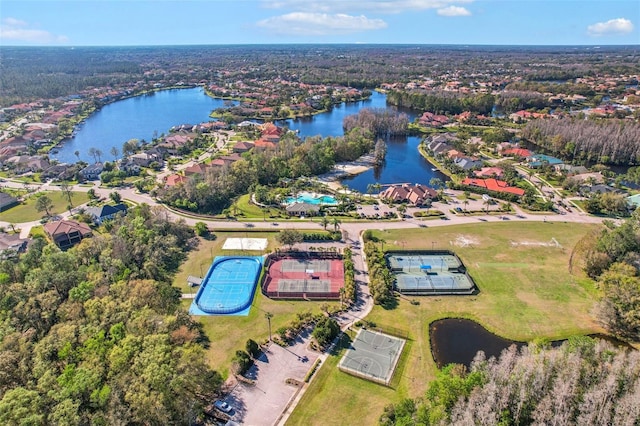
(262, 403)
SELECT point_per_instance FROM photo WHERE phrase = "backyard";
(27, 212)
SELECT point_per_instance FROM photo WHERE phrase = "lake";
(142, 117)
(403, 162)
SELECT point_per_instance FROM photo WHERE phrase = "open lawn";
(26, 212)
(539, 300)
(230, 333)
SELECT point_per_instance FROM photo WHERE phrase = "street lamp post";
(268, 316)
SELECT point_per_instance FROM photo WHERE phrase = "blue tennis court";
(228, 287)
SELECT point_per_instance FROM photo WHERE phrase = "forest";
(584, 382)
(587, 141)
(95, 335)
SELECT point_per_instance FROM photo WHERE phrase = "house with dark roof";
(67, 233)
(7, 201)
(106, 212)
(92, 171)
(241, 147)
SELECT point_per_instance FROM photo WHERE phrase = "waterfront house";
(413, 194)
(67, 233)
(92, 171)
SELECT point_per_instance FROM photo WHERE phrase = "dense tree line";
(442, 102)
(585, 382)
(380, 277)
(378, 121)
(612, 258)
(95, 335)
(291, 158)
(550, 87)
(603, 141)
(516, 100)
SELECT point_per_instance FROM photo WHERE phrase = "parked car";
(222, 406)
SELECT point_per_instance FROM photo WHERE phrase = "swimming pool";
(307, 197)
(228, 287)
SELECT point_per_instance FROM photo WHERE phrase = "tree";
(115, 197)
(325, 331)
(77, 154)
(201, 229)
(324, 221)
(619, 309)
(336, 223)
(466, 205)
(93, 153)
(289, 237)
(92, 194)
(66, 188)
(99, 155)
(115, 152)
(44, 203)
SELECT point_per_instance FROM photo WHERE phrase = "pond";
(457, 341)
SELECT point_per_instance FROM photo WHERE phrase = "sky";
(197, 22)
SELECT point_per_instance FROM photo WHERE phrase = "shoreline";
(342, 170)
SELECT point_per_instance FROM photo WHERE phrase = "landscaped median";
(526, 290)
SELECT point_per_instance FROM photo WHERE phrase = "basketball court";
(372, 356)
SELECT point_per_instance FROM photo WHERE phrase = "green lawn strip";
(26, 212)
(542, 301)
(337, 398)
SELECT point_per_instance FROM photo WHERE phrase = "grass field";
(230, 333)
(542, 300)
(26, 212)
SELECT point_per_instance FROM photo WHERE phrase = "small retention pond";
(457, 341)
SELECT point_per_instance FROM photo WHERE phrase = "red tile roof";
(494, 185)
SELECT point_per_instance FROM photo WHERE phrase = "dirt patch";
(465, 241)
(552, 243)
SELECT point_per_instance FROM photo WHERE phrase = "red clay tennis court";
(304, 276)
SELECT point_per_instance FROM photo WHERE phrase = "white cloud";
(379, 6)
(454, 11)
(15, 30)
(318, 24)
(611, 27)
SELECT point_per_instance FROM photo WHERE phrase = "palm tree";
(115, 152)
(92, 153)
(336, 224)
(466, 205)
(486, 204)
(324, 221)
(77, 154)
(99, 155)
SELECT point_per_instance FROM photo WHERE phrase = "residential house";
(488, 172)
(413, 194)
(28, 163)
(539, 160)
(7, 201)
(430, 119)
(516, 152)
(196, 169)
(494, 185)
(467, 163)
(570, 169)
(92, 171)
(225, 160)
(106, 212)
(241, 147)
(144, 159)
(59, 171)
(67, 233)
(11, 245)
(174, 179)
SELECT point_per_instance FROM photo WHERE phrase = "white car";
(222, 406)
